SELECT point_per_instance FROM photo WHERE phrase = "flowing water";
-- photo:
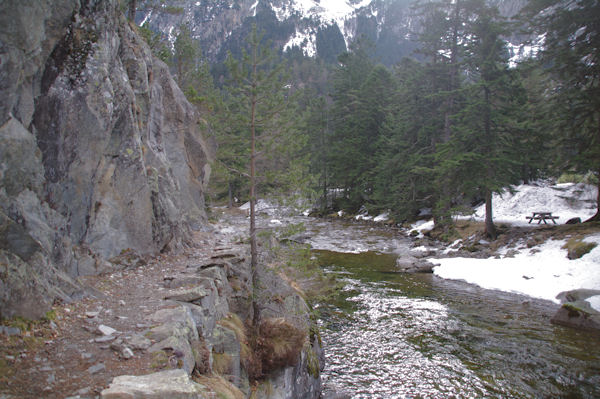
(393, 335)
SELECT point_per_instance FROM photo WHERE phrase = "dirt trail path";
(69, 357)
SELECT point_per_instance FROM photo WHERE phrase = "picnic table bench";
(542, 217)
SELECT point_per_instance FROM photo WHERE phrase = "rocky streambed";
(393, 334)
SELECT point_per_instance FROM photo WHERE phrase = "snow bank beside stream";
(543, 271)
(540, 272)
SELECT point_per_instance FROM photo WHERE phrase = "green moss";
(312, 363)
(160, 360)
(573, 310)
(577, 248)
(50, 315)
(314, 332)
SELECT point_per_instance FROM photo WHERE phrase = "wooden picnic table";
(542, 217)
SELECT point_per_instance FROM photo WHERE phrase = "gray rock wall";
(99, 149)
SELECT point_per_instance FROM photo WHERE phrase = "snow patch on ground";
(594, 302)
(566, 201)
(384, 217)
(542, 272)
(420, 226)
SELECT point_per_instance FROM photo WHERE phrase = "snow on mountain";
(305, 39)
(220, 25)
(314, 26)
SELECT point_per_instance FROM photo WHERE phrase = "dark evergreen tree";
(186, 56)
(330, 43)
(480, 157)
(571, 49)
(361, 92)
(404, 173)
(443, 39)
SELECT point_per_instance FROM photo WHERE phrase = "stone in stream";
(172, 384)
(411, 264)
(578, 315)
(576, 312)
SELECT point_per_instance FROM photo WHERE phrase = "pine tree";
(571, 32)
(259, 100)
(404, 172)
(443, 40)
(318, 124)
(481, 158)
(186, 56)
(349, 157)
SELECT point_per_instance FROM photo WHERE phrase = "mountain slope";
(316, 27)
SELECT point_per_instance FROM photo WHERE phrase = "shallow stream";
(394, 335)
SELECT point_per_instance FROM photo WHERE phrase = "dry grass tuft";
(278, 345)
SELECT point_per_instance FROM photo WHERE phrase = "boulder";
(187, 294)
(179, 350)
(576, 220)
(176, 335)
(577, 295)
(410, 264)
(172, 384)
(176, 321)
(226, 353)
(578, 315)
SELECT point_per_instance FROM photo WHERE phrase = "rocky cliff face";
(99, 150)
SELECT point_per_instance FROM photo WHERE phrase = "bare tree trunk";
(490, 228)
(253, 249)
(132, 8)
(596, 217)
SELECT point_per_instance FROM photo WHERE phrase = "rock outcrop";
(173, 384)
(236, 337)
(100, 152)
(576, 310)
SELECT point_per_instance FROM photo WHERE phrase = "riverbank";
(536, 260)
